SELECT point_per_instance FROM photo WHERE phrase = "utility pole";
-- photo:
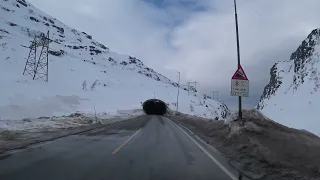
(188, 87)
(178, 92)
(238, 51)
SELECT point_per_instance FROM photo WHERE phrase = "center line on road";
(123, 144)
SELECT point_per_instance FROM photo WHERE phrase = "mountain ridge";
(75, 57)
(295, 80)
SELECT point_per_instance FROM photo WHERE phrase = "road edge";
(40, 142)
(222, 167)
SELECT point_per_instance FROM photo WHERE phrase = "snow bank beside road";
(261, 148)
(64, 122)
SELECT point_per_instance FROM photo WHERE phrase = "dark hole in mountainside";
(154, 107)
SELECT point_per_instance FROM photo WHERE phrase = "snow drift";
(84, 75)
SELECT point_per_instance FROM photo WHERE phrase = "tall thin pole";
(48, 56)
(178, 92)
(238, 49)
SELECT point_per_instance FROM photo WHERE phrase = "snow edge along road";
(36, 143)
(225, 170)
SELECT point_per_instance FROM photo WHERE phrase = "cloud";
(196, 37)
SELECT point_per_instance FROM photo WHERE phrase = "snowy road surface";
(150, 147)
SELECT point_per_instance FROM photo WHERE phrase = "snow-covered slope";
(292, 96)
(124, 81)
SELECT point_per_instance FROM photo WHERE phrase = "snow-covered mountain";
(124, 82)
(292, 96)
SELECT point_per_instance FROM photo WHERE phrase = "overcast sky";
(196, 37)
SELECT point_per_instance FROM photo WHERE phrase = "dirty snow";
(261, 148)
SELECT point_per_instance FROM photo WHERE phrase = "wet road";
(157, 151)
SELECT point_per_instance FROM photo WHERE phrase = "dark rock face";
(124, 63)
(273, 85)
(94, 51)
(51, 21)
(99, 45)
(5, 31)
(103, 46)
(12, 24)
(56, 53)
(300, 59)
(23, 2)
(133, 60)
(34, 19)
(60, 29)
(89, 37)
(6, 9)
(110, 59)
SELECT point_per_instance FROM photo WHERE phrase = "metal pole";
(238, 49)
(48, 56)
(178, 92)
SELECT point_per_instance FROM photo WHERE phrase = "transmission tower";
(215, 95)
(38, 69)
(42, 67)
(31, 63)
(195, 84)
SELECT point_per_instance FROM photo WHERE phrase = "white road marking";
(123, 144)
(39, 144)
(208, 154)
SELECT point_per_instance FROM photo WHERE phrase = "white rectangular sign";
(239, 87)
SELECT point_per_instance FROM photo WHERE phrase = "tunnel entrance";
(154, 107)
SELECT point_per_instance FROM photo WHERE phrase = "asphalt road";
(155, 150)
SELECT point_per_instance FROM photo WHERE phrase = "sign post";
(240, 86)
(238, 51)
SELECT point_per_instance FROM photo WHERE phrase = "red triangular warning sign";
(240, 74)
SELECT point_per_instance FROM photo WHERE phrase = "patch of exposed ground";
(259, 147)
